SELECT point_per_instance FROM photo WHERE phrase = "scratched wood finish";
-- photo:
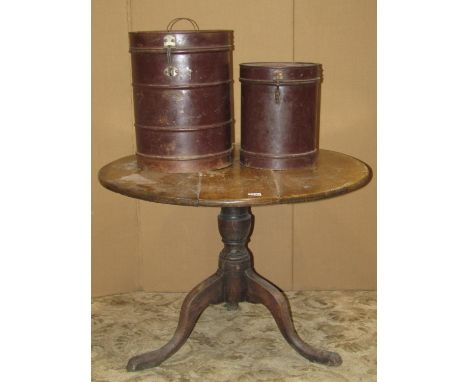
(332, 174)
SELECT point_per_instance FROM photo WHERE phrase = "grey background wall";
(328, 244)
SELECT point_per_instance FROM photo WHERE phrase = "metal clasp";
(171, 71)
(169, 43)
(277, 76)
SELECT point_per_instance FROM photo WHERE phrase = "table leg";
(261, 291)
(206, 293)
(235, 281)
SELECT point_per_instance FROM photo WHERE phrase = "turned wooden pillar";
(235, 224)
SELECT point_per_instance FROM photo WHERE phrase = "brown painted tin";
(182, 95)
(280, 114)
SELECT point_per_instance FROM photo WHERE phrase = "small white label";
(254, 194)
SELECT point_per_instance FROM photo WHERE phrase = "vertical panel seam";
(139, 252)
(292, 206)
(129, 29)
(292, 248)
(294, 30)
(138, 248)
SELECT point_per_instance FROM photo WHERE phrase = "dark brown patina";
(235, 189)
(182, 92)
(234, 281)
(280, 115)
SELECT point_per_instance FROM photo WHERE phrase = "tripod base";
(234, 281)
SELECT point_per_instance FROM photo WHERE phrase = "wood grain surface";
(331, 175)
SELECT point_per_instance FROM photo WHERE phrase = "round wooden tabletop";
(332, 174)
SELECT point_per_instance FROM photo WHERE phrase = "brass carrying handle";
(176, 20)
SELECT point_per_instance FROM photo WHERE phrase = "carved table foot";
(235, 281)
(206, 293)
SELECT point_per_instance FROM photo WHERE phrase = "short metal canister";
(182, 95)
(280, 114)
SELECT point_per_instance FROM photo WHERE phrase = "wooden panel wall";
(322, 245)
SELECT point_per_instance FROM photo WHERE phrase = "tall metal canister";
(182, 95)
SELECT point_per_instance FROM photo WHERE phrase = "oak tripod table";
(236, 189)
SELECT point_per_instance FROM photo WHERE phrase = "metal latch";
(277, 76)
(169, 43)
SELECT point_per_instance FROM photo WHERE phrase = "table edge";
(239, 203)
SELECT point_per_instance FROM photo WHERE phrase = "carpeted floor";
(243, 345)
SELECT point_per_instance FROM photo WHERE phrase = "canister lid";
(183, 40)
(172, 40)
(280, 71)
